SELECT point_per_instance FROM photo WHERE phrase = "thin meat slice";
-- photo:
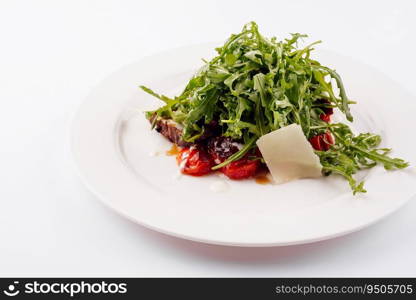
(173, 131)
(221, 148)
(170, 130)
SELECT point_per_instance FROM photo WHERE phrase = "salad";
(256, 86)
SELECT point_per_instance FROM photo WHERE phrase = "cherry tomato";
(329, 138)
(328, 111)
(322, 142)
(194, 161)
(325, 117)
(241, 169)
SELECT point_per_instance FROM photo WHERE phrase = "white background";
(53, 52)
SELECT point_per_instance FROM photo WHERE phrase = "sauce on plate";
(262, 179)
(174, 150)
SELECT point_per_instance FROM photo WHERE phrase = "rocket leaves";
(256, 85)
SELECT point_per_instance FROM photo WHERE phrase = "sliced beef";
(212, 129)
(171, 130)
(221, 148)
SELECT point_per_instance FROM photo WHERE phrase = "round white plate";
(124, 163)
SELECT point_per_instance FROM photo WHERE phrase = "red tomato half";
(241, 169)
(328, 111)
(325, 117)
(194, 161)
(322, 142)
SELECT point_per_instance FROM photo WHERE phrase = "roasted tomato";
(325, 117)
(328, 111)
(241, 169)
(194, 161)
(322, 142)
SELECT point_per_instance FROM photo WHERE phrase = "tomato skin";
(315, 142)
(241, 169)
(325, 117)
(329, 138)
(328, 111)
(194, 161)
(322, 142)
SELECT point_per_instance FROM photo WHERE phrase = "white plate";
(111, 143)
